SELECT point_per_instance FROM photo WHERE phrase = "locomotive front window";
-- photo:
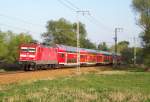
(31, 49)
(25, 49)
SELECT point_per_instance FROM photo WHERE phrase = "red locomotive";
(37, 56)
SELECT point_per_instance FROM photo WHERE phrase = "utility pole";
(116, 47)
(78, 36)
(134, 50)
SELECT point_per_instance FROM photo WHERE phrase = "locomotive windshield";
(31, 49)
(26, 49)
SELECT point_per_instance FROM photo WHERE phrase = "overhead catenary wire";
(90, 15)
(72, 4)
(99, 24)
(21, 20)
(26, 30)
(66, 5)
(93, 19)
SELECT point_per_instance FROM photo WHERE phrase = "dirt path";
(12, 78)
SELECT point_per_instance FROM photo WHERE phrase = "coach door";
(62, 58)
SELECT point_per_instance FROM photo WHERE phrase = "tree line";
(9, 45)
(142, 8)
(64, 32)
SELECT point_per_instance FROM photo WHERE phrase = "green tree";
(64, 32)
(9, 45)
(125, 51)
(139, 55)
(14, 43)
(60, 32)
(142, 7)
(120, 46)
(3, 46)
(127, 55)
(86, 43)
(103, 46)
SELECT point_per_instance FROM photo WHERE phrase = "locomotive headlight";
(22, 55)
(32, 56)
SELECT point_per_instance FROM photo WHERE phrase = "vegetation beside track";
(127, 86)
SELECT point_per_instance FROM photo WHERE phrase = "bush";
(9, 45)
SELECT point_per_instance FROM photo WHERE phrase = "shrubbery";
(9, 45)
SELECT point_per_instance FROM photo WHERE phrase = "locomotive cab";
(28, 55)
(37, 56)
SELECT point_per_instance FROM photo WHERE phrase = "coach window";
(106, 57)
(62, 55)
(82, 56)
(100, 57)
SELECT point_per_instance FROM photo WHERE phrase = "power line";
(75, 8)
(21, 20)
(95, 19)
(72, 4)
(17, 27)
(66, 5)
(99, 24)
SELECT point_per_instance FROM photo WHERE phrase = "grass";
(128, 87)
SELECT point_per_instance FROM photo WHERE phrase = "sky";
(105, 15)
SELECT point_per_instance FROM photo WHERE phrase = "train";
(35, 56)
